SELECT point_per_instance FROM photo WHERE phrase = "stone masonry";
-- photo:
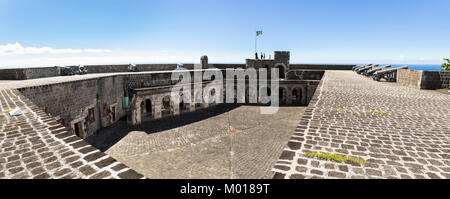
(401, 132)
(34, 145)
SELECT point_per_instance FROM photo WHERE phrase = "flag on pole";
(259, 32)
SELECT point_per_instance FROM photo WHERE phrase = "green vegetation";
(446, 66)
(379, 112)
(335, 157)
(443, 89)
(375, 111)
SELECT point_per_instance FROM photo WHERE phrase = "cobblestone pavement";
(401, 132)
(34, 145)
(234, 143)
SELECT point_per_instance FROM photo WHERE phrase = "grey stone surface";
(236, 143)
(34, 145)
(401, 132)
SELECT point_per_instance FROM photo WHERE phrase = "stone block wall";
(423, 79)
(321, 66)
(410, 78)
(305, 74)
(33, 73)
(12, 74)
(72, 101)
(435, 79)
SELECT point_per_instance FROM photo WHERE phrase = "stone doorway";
(78, 129)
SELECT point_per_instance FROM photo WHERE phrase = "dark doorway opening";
(148, 106)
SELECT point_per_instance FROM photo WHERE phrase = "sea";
(417, 67)
(430, 67)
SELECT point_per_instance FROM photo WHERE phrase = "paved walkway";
(401, 132)
(228, 143)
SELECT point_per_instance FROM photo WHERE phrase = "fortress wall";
(423, 79)
(12, 74)
(28, 73)
(33, 73)
(435, 79)
(72, 100)
(321, 66)
(305, 75)
(107, 68)
(409, 77)
(225, 66)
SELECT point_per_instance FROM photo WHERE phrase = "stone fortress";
(88, 105)
(61, 111)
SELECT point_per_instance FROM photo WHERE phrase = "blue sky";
(55, 32)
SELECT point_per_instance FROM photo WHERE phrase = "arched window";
(165, 109)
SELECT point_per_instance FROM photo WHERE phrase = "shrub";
(446, 66)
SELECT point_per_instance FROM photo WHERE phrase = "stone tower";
(204, 61)
(282, 57)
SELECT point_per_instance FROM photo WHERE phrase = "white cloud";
(18, 49)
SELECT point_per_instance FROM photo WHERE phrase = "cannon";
(66, 71)
(133, 68)
(361, 70)
(82, 70)
(389, 74)
(369, 73)
(360, 66)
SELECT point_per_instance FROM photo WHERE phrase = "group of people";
(263, 56)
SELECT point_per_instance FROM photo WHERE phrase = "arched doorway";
(148, 107)
(184, 104)
(165, 109)
(297, 93)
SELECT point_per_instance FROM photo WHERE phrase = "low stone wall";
(28, 73)
(321, 66)
(33, 73)
(423, 79)
(435, 79)
(12, 74)
(410, 78)
(305, 74)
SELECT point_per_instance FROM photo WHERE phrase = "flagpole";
(256, 38)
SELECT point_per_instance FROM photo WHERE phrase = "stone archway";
(166, 106)
(297, 94)
(148, 107)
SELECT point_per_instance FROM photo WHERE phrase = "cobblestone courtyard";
(236, 142)
(401, 132)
